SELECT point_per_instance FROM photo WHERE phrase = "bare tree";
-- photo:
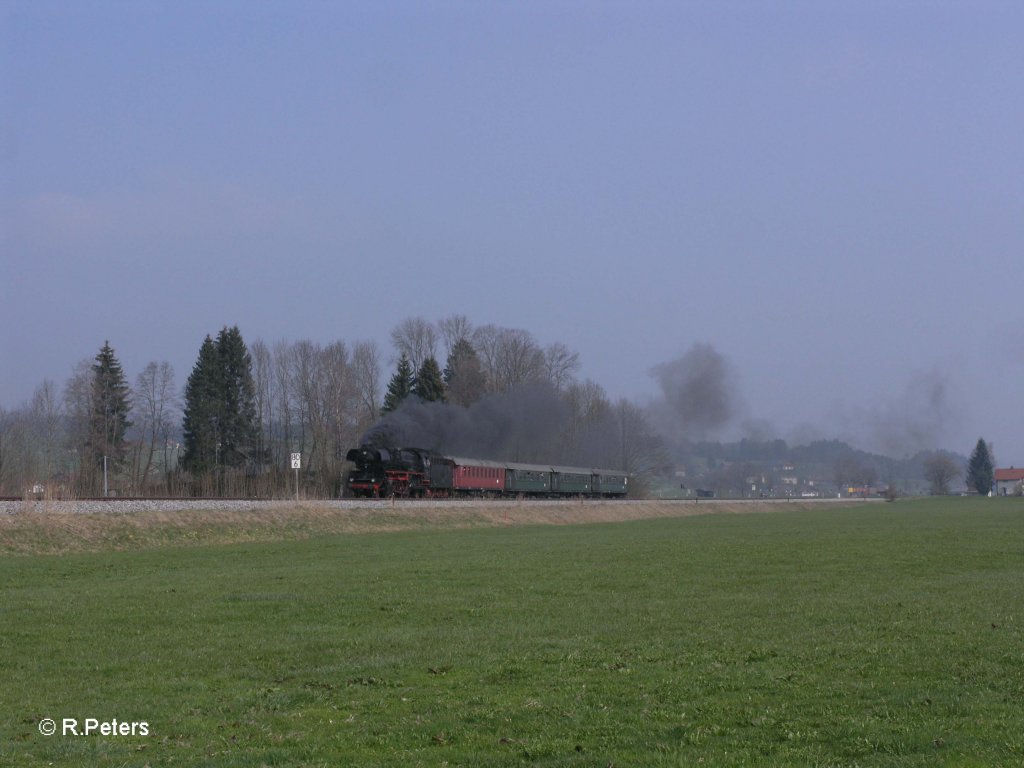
(17, 455)
(366, 380)
(560, 364)
(155, 408)
(848, 471)
(589, 414)
(22, 465)
(305, 374)
(453, 329)
(940, 470)
(588, 400)
(518, 359)
(640, 448)
(6, 435)
(263, 392)
(486, 341)
(415, 338)
(287, 406)
(341, 404)
(47, 417)
(78, 407)
(328, 407)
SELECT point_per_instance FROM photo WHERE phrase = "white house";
(1009, 482)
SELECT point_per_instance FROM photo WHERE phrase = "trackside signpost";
(296, 465)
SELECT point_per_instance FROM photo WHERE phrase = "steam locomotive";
(417, 473)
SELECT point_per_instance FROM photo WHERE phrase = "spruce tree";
(463, 376)
(238, 422)
(220, 405)
(429, 386)
(400, 386)
(109, 408)
(202, 418)
(980, 470)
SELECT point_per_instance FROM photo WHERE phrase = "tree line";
(244, 408)
(942, 469)
(484, 391)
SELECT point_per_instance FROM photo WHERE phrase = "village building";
(1009, 482)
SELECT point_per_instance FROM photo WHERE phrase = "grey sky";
(829, 194)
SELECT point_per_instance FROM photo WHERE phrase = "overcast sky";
(831, 195)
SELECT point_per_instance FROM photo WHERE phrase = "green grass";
(886, 635)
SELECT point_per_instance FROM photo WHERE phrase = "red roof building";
(1009, 482)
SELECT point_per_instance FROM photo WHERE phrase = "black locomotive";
(417, 473)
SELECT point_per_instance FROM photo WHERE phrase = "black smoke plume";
(918, 418)
(698, 394)
(524, 424)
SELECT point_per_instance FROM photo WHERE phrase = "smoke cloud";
(917, 419)
(699, 394)
(523, 424)
(698, 401)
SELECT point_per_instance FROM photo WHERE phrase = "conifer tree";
(238, 429)
(202, 418)
(220, 405)
(400, 386)
(109, 408)
(980, 470)
(463, 376)
(429, 386)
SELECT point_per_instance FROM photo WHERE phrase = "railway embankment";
(52, 527)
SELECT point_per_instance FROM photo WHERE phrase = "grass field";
(876, 636)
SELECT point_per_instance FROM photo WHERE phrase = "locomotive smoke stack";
(377, 436)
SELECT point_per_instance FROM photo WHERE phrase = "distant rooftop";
(1010, 474)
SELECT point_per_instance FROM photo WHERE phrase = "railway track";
(135, 498)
